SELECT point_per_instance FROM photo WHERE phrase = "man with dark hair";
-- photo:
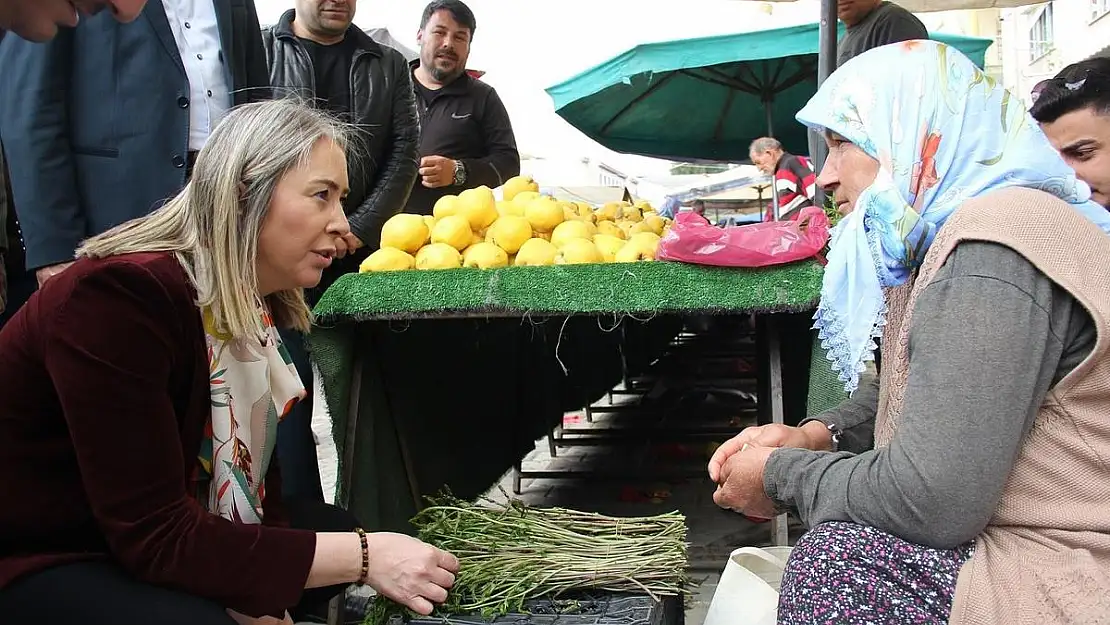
(794, 179)
(466, 138)
(874, 23)
(316, 53)
(1073, 109)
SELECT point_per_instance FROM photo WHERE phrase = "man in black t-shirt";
(315, 53)
(874, 23)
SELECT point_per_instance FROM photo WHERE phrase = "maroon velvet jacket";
(103, 400)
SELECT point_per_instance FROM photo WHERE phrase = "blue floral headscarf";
(942, 132)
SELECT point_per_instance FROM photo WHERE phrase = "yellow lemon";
(518, 184)
(524, 197)
(571, 230)
(631, 213)
(431, 223)
(438, 256)
(609, 211)
(655, 222)
(509, 233)
(445, 206)
(544, 214)
(509, 208)
(478, 206)
(485, 256)
(405, 232)
(611, 229)
(633, 252)
(536, 252)
(453, 230)
(387, 259)
(608, 246)
(642, 226)
(577, 252)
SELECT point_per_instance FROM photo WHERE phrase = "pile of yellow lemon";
(474, 229)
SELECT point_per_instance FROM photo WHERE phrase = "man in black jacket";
(466, 139)
(316, 54)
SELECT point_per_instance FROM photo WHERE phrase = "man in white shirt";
(102, 124)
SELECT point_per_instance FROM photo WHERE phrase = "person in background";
(466, 139)
(968, 483)
(873, 23)
(38, 20)
(102, 123)
(316, 54)
(139, 485)
(793, 175)
(1073, 109)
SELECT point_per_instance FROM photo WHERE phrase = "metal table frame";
(337, 606)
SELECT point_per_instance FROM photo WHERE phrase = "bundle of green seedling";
(511, 553)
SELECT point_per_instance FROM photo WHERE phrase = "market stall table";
(363, 312)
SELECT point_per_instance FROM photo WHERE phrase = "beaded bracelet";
(365, 555)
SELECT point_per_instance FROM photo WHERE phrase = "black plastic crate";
(586, 609)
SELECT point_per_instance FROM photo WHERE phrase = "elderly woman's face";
(305, 219)
(847, 172)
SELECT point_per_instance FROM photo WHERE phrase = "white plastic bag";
(748, 593)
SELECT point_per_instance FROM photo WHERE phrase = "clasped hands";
(737, 466)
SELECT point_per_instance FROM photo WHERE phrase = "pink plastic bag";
(694, 240)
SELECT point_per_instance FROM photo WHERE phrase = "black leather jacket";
(382, 168)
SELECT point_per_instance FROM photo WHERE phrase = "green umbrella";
(706, 98)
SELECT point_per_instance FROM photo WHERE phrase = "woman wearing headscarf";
(969, 484)
(141, 392)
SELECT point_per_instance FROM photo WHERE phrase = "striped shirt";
(796, 184)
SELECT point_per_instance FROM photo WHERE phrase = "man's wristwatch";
(460, 174)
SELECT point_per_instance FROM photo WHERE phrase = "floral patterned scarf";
(254, 385)
(943, 132)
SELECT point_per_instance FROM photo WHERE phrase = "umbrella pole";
(826, 64)
(774, 189)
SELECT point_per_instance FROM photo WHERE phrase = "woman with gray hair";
(141, 394)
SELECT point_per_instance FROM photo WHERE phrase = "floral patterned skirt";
(850, 574)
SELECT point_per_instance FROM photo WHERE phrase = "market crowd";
(181, 186)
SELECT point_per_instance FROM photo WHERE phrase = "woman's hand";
(410, 572)
(813, 435)
(741, 483)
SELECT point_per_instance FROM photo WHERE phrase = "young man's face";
(1082, 138)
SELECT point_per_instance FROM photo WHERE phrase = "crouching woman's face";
(304, 222)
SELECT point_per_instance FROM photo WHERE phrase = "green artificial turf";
(630, 288)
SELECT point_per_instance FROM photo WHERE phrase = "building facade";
(1040, 40)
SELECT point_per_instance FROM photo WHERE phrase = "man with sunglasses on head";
(1073, 109)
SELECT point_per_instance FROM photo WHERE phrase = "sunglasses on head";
(1068, 83)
